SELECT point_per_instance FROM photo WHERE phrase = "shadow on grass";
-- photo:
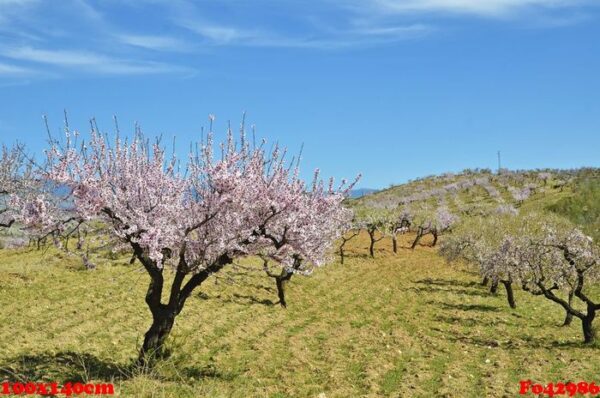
(435, 289)
(207, 372)
(363, 256)
(248, 299)
(68, 366)
(524, 343)
(260, 287)
(455, 320)
(62, 367)
(446, 282)
(465, 307)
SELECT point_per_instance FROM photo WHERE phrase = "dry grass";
(407, 325)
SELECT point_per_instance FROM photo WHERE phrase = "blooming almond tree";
(434, 223)
(374, 224)
(555, 256)
(479, 240)
(305, 237)
(394, 222)
(244, 202)
(15, 178)
(26, 198)
(543, 253)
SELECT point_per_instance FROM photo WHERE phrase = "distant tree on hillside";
(434, 223)
(373, 227)
(477, 241)
(352, 231)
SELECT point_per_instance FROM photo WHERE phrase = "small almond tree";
(395, 222)
(352, 231)
(374, 224)
(549, 255)
(37, 205)
(478, 241)
(542, 253)
(196, 221)
(434, 223)
(309, 229)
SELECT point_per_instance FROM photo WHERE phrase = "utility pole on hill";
(499, 163)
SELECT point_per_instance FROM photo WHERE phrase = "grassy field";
(405, 325)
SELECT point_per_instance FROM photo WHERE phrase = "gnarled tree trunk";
(569, 315)
(494, 287)
(589, 333)
(434, 232)
(343, 244)
(281, 281)
(417, 238)
(163, 315)
(372, 243)
(509, 294)
(163, 319)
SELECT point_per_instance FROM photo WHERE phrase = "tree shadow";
(69, 366)
(465, 307)
(446, 282)
(260, 287)
(206, 372)
(526, 342)
(434, 289)
(248, 299)
(364, 256)
(455, 320)
(63, 367)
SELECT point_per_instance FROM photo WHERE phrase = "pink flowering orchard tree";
(302, 238)
(26, 198)
(23, 199)
(32, 202)
(15, 179)
(247, 201)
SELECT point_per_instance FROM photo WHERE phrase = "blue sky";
(395, 89)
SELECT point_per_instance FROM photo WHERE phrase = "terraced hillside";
(481, 192)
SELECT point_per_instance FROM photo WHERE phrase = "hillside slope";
(573, 193)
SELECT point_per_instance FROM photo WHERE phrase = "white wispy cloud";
(154, 42)
(490, 8)
(12, 70)
(221, 35)
(88, 60)
(29, 39)
(394, 31)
